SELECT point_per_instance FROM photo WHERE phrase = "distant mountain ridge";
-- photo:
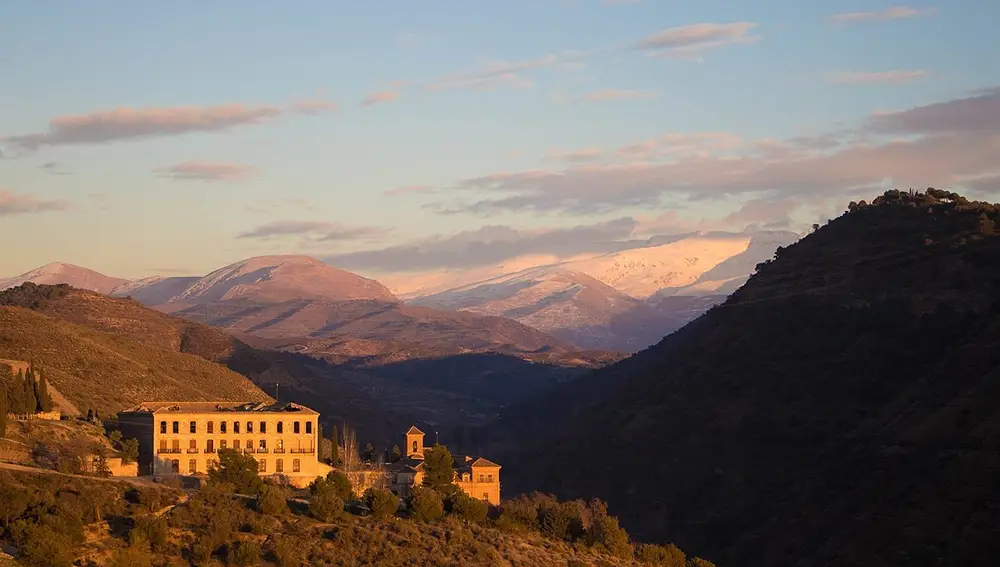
(60, 273)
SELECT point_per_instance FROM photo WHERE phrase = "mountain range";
(840, 408)
(616, 300)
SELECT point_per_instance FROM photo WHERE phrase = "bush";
(664, 555)
(520, 512)
(237, 470)
(341, 484)
(468, 508)
(132, 556)
(426, 505)
(325, 504)
(608, 536)
(286, 553)
(381, 502)
(272, 500)
(42, 546)
(150, 530)
(245, 552)
(699, 562)
(561, 520)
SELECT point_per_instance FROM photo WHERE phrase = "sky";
(148, 138)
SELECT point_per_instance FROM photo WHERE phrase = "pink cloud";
(697, 38)
(379, 97)
(20, 203)
(312, 107)
(321, 231)
(576, 156)
(207, 171)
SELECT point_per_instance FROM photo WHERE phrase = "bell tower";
(414, 443)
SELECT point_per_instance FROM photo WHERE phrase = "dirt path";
(135, 480)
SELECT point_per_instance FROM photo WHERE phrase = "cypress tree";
(3, 410)
(30, 401)
(335, 448)
(44, 399)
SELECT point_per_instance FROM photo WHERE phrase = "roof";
(219, 407)
(484, 462)
(414, 431)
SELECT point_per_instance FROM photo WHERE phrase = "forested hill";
(842, 408)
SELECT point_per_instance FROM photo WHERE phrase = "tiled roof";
(218, 407)
(484, 462)
(414, 431)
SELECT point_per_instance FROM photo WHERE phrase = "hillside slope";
(841, 408)
(108, 371)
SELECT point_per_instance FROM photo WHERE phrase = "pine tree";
(335, 448)
(44, 399)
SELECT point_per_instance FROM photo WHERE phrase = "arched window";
(177, 427)
(236, 427)
(222, 427)
(263, 427)
(279, 466)
(296, 465)
(309, 427)
(193, 427)
(414, 450)
(249, 427)
(210, 427)
(175, 466)
(193, 466)
(262, 465)
(281, 427)
(295, 427)
(163, 427)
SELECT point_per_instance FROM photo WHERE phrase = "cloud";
(313, 107)
(489, 245)
(891, 13)
(895, 76)
(494, 74)
(619, 94)
(939, 144)
(20, 203)
(379, 97)
(320, 231)
(576, 156)
(143, 123)
(690, 40)
(207, 171)
(408, 190)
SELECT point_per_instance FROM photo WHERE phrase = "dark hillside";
(842, 408)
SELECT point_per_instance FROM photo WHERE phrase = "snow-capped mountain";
(59, 273)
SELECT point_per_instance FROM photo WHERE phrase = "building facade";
(184, 438)
(476, 476)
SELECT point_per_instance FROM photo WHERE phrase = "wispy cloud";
(895, 76)
(207, 171)
(619, 94)
(408, 190)
(313, 107)
(694, 39)
(320, 231)
(891, 13)
(494, 74)
(379, 97)
(19, 203)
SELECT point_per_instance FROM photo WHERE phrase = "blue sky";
(175, 138)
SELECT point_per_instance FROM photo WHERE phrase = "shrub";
(341, 484)
(699, 562)
(608, 536)
(325, 504)
(245, 552)
(272, 500)
(151, 530)
(561, 520)
(664, 555)
(130, 451)
(468, 508)
(132, 556)
(426, 504)
(381, 502)
(520, 512)
(42, 546)
(286, 553)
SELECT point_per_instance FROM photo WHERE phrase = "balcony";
(209, 450)
(192, 450)
(168, 451)
(262, 450)
(247, 451)
(279, 450)
(303, 451)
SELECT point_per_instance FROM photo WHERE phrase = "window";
(210, 427)
(163, 427)
(414, 447)
(177, 427)
(249, 427)
(222, 444)
(163, 445)
(309, 427)
(193, 445)
(489, 478)
(262, 465)
(486, 496)
(296, 465)
(236, 444)
(281, 427)
(193, 466)
(175, 466)
(236, 427)
(466, 477)
(281, 445)
(295, 427)
(222, 427)
(263, 427)
(263, 444)
(279, 466)
(193, 426)
(176, 445)
(212, 463)
(482, 478)
(210, 446)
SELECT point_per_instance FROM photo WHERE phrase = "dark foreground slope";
(842, 408)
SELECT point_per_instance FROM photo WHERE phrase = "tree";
(341, 484)
(28, 387)
(115, 437)
(100, 466)
(469, 508)
(438, 468)
(237, 470)
(325, 504)
(606, 534)
(42, 392)
(426, 504)
(4, 408)
(349, 458)
(985, 225)
(381, 502)
(397, 454)
(130, 451)
(663, 555)
(272, 500)
(369, 453)
(334, 448)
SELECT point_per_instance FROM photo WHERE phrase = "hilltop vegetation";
(841, 408)
(107, 370)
